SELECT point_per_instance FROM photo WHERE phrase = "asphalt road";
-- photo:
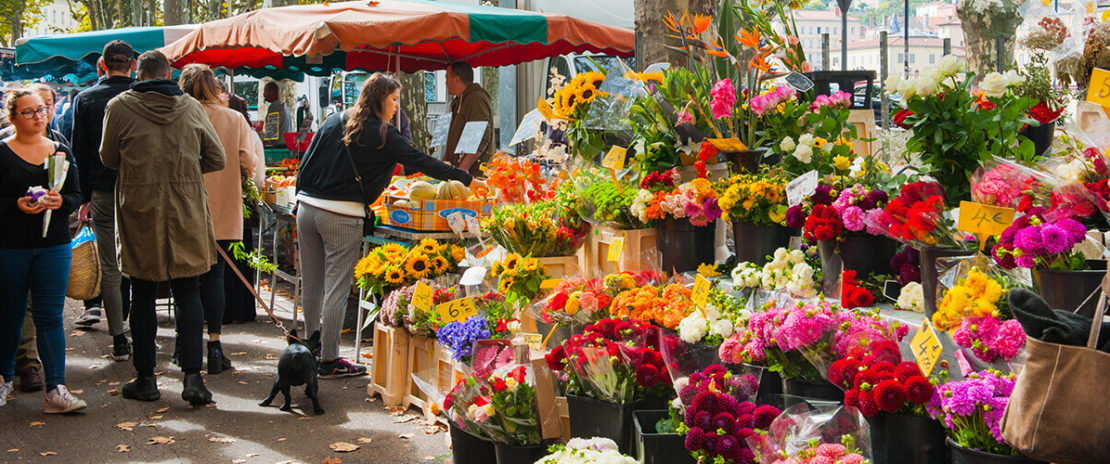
(234, 430)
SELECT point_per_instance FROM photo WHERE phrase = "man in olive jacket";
(471, 103)
(162, 143)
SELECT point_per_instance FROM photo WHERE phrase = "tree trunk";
(651, 33)
(982, 32)
(214, 9)
(171, 14)
(416, 107)
(136, 12)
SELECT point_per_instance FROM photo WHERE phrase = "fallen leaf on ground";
(77, 392)
(251, 455)
(304, 418)
(367, 355)
(242, 382)
(371, 399)
(269, 357)
(281, 439)
(345, 331)
(221, 439)
(113, 384)
(238, 461)
(365, 440)
(332, 461)
(37, 424)
(157, 373)
(48, 453)
(114, 392)
(13, 450)
(397, 411)
(162, 410)
(239, 353)
(160, 441)
(402, 420)
(429, 458)
(75, 333)
(405, 436)
(156, 417)
(435, 429)
(127, 426)
(121, 448)
(343, 447)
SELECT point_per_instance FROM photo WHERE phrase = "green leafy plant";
(255, 259)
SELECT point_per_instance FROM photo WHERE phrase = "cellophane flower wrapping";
(606, 201)
(876, 380)
(540, 230)
(575, 301)
(813, 434)
(850, 333)
(661, 197)
(665, 305)
(718, 415)
(685, 360)
(917, 217)
(795, 272)
(972, 410)
(718, 320)
(613, 360)
(502, 406)
(975, 287)
(586, 451)
(1035, 241)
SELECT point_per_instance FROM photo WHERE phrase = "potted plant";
(756, 206)
(717, 415)
(971, 411)
(1035, 83)
(683, 216)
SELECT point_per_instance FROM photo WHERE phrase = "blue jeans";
(44, 272)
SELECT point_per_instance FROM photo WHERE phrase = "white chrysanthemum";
(712, 313)
(693, 328)
(912, 298)
(797, 256)
(722, 328)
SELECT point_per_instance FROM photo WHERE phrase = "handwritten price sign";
(984, 220)
(1099, 89)
(616, 248)
(422, 297)
(700, 294)
(615, 158)
(457, 310)
(926, 348)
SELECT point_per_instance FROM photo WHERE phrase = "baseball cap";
(118, 51)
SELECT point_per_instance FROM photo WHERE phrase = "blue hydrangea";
(460, 336)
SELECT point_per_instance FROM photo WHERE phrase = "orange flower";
(760, 60)
(716, 47)
(749, 39)
(701, 23)
(674, 23)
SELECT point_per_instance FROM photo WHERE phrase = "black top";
(88, 125)
(22, 230)
(326, 173)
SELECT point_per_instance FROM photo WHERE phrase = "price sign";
(800, 188)
(799, 82)
(473, 226)
(615, 158)
(457, 222)
(616, 248)
(533, 340)
(729, 144)
(457, 310)
(984, 220)
(700, 295)
(926, 348)
(422, 297)
(471, 138)
(1099, 89)
(550, 284)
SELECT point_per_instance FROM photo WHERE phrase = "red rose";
(499, 385)
(890, 395)
(900, 118)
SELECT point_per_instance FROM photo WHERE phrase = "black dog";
(297, 366)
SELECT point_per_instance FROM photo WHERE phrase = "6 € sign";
(457, 310)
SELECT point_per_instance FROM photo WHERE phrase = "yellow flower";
(530, 264)
(495, 269)
(511, 261)
(571, 307)
(841, 162)
(418, 266)
(820, 142)
(440, 264)
(458, 253)
(428, 246)
(505, 284)
(708, 270)
(393, 251)
(394, 276)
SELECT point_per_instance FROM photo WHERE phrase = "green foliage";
(254, 259)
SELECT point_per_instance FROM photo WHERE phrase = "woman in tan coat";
(225, 195)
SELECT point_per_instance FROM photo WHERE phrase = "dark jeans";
(212, 291)
(44, 272)
(189, 316)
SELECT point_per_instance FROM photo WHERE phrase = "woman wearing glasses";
(31, 260)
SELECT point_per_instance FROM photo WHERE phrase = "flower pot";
(466, 448)
(815, 389)
(962, 455)
(658, 448)
(865, 254)
(745, 161)
(1041, 136)
(770, 388)
(596, 418)
(512, 454)
(683, 245)
(901, 439)
(930, 274)
(754, 242)
(1067, 290)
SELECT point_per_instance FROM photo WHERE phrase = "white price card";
(800, 188)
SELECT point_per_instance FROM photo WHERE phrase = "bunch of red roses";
(914, 215)
(882, 383)
(717, 423)
(612, 360)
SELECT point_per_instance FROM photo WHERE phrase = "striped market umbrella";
(390, 35)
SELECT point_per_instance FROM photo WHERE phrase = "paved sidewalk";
(234, 430)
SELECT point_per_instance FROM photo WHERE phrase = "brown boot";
(30, 378)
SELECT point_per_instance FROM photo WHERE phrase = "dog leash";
(235, 267)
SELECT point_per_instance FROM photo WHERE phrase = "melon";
(451, 190)
(403, 204)
(422, 191)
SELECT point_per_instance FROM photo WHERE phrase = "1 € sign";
(457, 310)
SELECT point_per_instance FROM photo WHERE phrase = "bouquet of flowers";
(1033, 241)
(394, 265)
(607, 202)
(718, 415)
(792, 271)
(975, 296)
(537, 229)
(906, 265)
(915, 217)
(612, 360)
(882, 383)
(586, 451)
(460, 336)
(617, 283)
(501, 406)
(825, 453)
(812, 434)
(990, 337)
(852, 295)
(754, 198)
(518, 278)
(519, 180)
(663, 305)
(911, 298)
(577, 299)
(1002, 183)
(659, 198)
(972, 411)
(397, 310)
(827, 146)
(827, 214)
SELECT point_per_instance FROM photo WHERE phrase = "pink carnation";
(724, 98)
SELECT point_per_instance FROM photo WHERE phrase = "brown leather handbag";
(1058, 411)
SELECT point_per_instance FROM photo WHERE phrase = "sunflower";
(511, 261)
(458, 253)
(530, 264)
(393, 252)
(440, 264)
(370, 264)
(495, 269)
(418, 266)
(505, 285)
(587, 94)
(394, 276)
(428, 246)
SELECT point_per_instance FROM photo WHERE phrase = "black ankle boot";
(195, 392)
(175, 358)
(217, 360)
(142, 389)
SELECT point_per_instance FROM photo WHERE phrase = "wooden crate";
(561, 267)
(640, 252)
(390, 369)
(421, 363)
(864, 120)
(564, 416)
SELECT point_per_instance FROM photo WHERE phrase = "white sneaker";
(61, 401)
(90, 316)
(5, 391)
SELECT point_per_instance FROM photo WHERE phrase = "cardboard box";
(430, 215)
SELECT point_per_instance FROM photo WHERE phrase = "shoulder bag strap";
(358, 176)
